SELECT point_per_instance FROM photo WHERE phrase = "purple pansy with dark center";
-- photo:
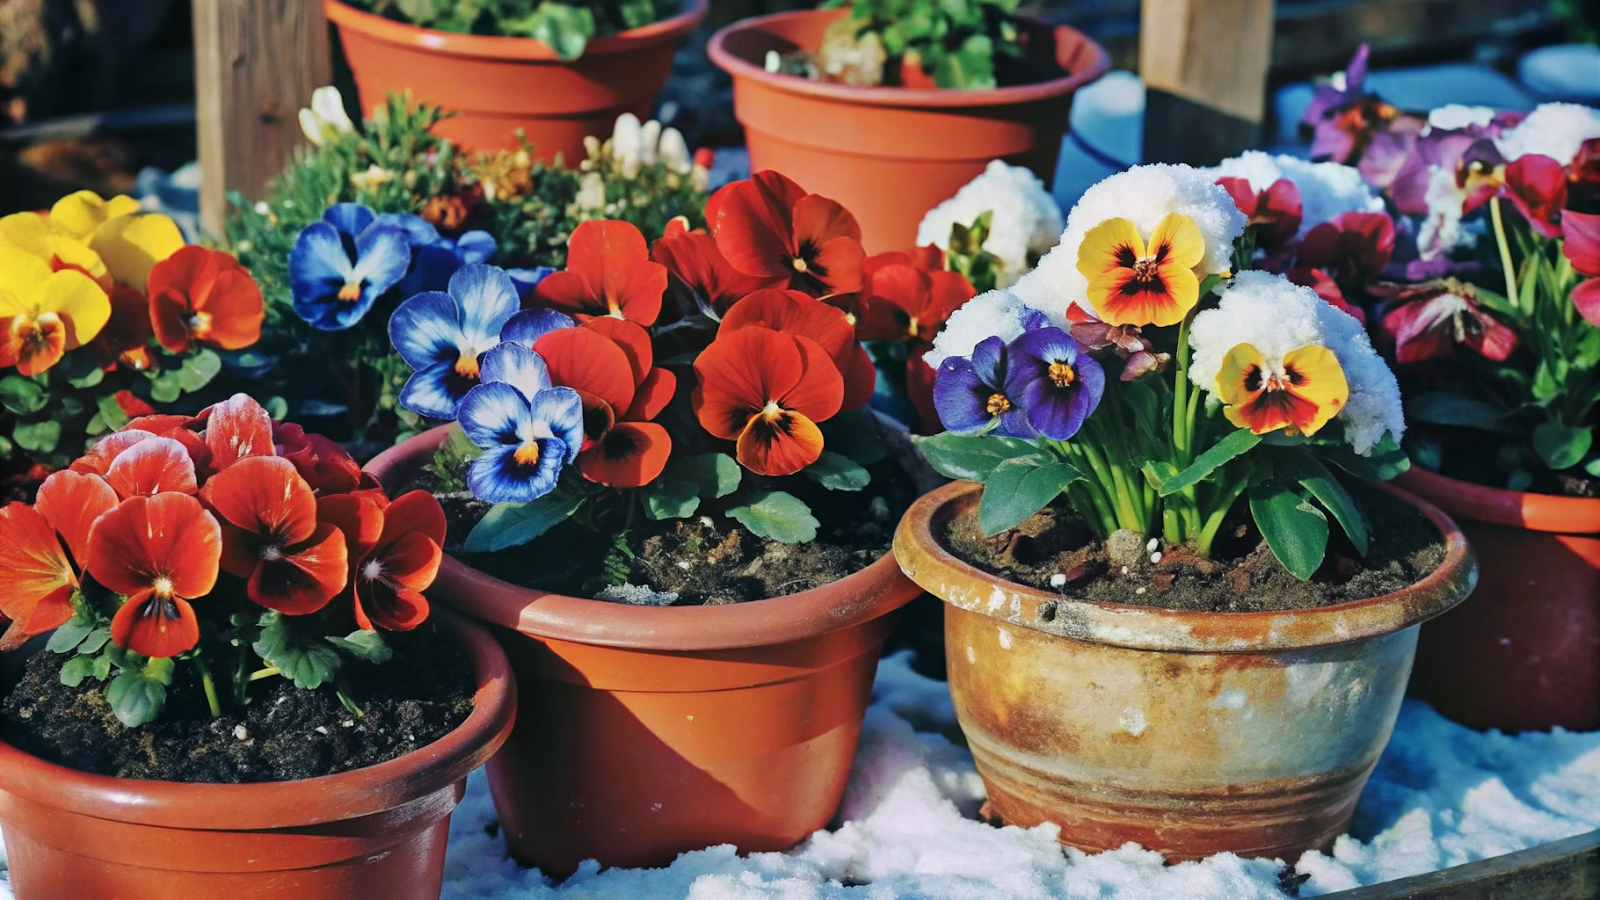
(527, 429)
(441, 336)
(340, 266)
(981, 394)
(1061, 383)
(1343, 116)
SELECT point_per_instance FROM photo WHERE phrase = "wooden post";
(1204, 64)
(256, 64)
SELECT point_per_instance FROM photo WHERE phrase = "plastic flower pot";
(373, 832)
(500, 84)
(890, 154)
(645, 732)
(1191, 733)
(1524, 653)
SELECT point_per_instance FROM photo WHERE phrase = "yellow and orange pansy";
(1299, 392)
(1135, 283)
(45, 313)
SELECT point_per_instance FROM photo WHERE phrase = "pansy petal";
(351, 218)
(151, 467)
(498, 476)
(632, 454)
(100, 457)
(426, 329)
(631, 338)
(529, 325)
(516, 365)
(487, 298)
(414, 512)
(653, 395)
(169, 537)
(238, 427)
(588, 361)
(359, 518)
(131, 245)
(436, 391)
(754, 228)
(1177, 238)
(380, 604)
(780, 445)
(83, 305)
(303, 582)
(560, 410)
(70, 502)
(494, 415)
(383, 256)
(236, 309)
(745, 369)
(155, 627)
(36, 578)
(1586, 297)
(1113, 244)
(266, 496)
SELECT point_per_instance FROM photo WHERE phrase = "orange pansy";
(1132, 283)
(1300, 392)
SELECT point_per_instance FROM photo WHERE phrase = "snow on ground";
(1441, 796)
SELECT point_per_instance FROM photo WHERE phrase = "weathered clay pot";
(645, 732)
(500, 84)
(1524, 653)
(374, 832)
(890, 154)
(1190, 733)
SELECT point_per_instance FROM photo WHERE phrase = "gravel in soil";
(284, 734)
(1055, 550)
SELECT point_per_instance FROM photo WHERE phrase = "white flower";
(591, 193)
(1143, 195)
(674, 152)
(1456, 117)
(1276, 316)
(1327, 189)
(990, 314)
(326, 118)
(649, 142)
(1025, 220)
(374, 176)
(1556, 130)
(635, 145)
(627, 144)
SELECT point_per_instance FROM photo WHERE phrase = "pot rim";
(514, 49)
(855, 599)
(270, 805)
(1498, 506)
(1097, 63)
(929, 564)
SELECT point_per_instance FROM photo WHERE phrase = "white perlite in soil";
(1442, 796)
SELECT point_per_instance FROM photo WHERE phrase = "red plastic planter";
(500, 84)
(1523, 653)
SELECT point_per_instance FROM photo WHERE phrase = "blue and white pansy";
(340, 266)
(528, 429)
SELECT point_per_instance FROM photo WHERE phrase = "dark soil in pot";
(284, 734)
(1242, 575)
(708, 559)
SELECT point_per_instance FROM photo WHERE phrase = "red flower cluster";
(161, 510)
(196, 296)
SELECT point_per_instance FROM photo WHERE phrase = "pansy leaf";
(973, 457)
(1442, 408)
(1296, 531)
(855, 434)
(23, 396)
(367, 646)
(1018, 488)
(1236, 444)
(838, 472)
(111, 412)
(137, 696)
(1321, 484)
(671, 498)
(1384, 462)
(166, 387)
(563, 28)
(308, 663)
(513, 524)
(714, 475)
(1561, 447)
(198, 370)
(76, 669)
(37, 437)
(777, 516)
(72, 633)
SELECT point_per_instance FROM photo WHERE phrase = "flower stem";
(1181, 423)
(1208, 532)
(1505, 251)
(268, 672)
(210, 685)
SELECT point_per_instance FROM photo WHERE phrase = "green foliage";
(1295, 529)
(714, 475)
(513, 524)
(137, 696)
(301, 658)
(838, 472)
(1020, 487)
(956, 43)
(564, 27)
(671, 498)
(967, 256)
(777, 516)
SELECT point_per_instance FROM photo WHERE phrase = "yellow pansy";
(30, 233)
(131, 244)
(1300, 392)
(1132, 283)
(78, 215)
(45, 313)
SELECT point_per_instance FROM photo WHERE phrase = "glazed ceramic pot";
(373, 832)
(500, 84)
(645, 732)
(1523, 654)
(1190, 733)
(890, 154)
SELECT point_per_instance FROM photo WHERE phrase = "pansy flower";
(1134, 283)
(796, 313)
(1428, 321)
(1327, 289)
(1059, 384)
(903, 302)
(201, 296)
(983, 393)
(42, 549)
(235, 429)
(769, 227)
(434, 257)
(528, 428)
(321, 461)
(152, 465)
(1537, 186)
(767, 391)
(1581, 246)
(610, 363)
(340, 266)
(1343, 116)
(1352, 246)
(442, 336)
(699, 272)
(609, 273)
(271, 536)
(160, 552)
(131, 245)
(395, 550)
(1299, 392)
(44, 314)
(1127, 341)
(1275, 212)
(33, 234)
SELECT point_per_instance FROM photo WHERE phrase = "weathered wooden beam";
(1564, 870)
(1204, 64)
(256, 64)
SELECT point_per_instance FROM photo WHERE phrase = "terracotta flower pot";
(1524, 653)
(500, 84)
(890, 154)
(373, 832)
(1190, 733)
(648, 731)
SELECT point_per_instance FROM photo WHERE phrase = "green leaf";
(198, 370)
(1233, 446)
(513, 524)
(974, 457)
(564, 29)
(67, 638)
(777, 516)
(421, 12)
(1296, 531)
(1018, 488)
(857, 435)
(1385, 462)
(1443, 408)
(110, 413)
(714, 475)
(671, 498)
(76, 669)
(1561, 447)
(166, 387)
(838, 472)
(308, 663)
(1321, 484)
(363, 645)
(137, 698)
(38, 437)
(23, 396)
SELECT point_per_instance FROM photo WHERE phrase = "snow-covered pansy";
(442, 336)
(1277, 319)
(340, 266)
(528, 429)
(1556, 130)
(1134, 283)
(1325, 189)
(1024, 219)
(991, 314)
(1143, 196)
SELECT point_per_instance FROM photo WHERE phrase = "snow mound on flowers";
(990, 314)
(1025, 218)
(1556, 130)
(1327, 189)
(1457, 116)
(1277, 316)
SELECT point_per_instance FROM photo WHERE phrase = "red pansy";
(698, 267)
(767, 391)
(271, 536)
(1276, 212)
(37, 576)
(609, 273)
(795, 313)
(1537, 186)
(204, 296)
(1327, 289)
(160, 552)
(1429, 320)
(1581, 244)
(394, 552)
(904, 302)
(321, 461)
(769, 227)
(1353, 246)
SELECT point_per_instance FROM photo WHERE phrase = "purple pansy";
(982, 394)
(1060, 383)
(434, 258)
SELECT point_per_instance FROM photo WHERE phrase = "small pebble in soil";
(240, 733)
(1058, 580)
(1155, 557)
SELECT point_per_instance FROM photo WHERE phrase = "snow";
(1024, 222)
(1442, 795)
(990, 314)
(1326, 189)
(1555, 130)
